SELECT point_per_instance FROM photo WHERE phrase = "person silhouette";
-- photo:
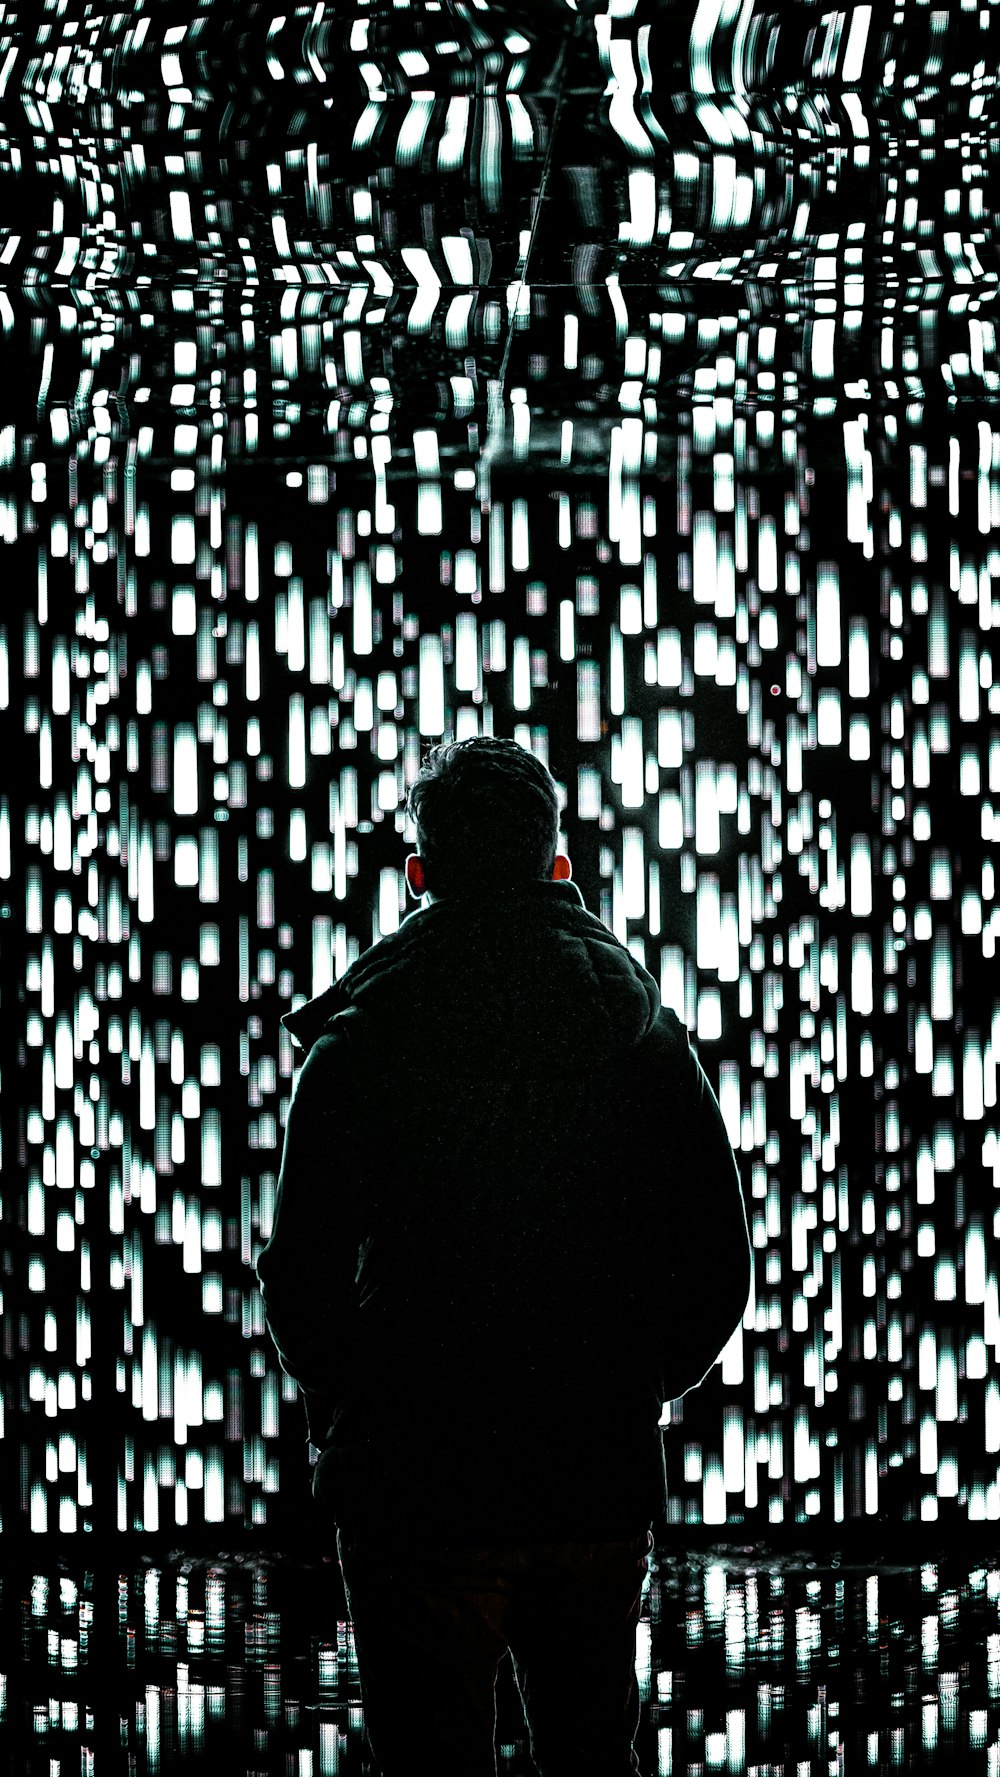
(509, 1226)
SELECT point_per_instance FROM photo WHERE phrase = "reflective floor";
(748, 1662)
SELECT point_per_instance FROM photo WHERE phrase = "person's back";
(509, 1222)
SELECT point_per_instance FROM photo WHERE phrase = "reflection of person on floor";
(509, 1226)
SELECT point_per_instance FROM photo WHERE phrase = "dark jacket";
(509, 1226)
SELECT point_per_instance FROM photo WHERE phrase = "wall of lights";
(316, 466)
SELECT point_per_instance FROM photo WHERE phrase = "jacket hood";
(499, 981)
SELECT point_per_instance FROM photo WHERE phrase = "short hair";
(486, 813)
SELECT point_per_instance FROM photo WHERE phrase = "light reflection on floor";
(748, 1662)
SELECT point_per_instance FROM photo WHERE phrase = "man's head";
(487, 816)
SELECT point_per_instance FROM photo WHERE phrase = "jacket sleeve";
(307, 1269)
(708, 1242)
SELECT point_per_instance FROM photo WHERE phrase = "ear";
(414, 872)
(562, 869)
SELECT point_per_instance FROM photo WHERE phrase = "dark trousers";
(432, 1623)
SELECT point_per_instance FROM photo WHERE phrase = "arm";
(307, 1269)
(709, 1243)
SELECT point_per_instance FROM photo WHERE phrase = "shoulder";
(330, 1065)
(662, 1061)
(667, 1039)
